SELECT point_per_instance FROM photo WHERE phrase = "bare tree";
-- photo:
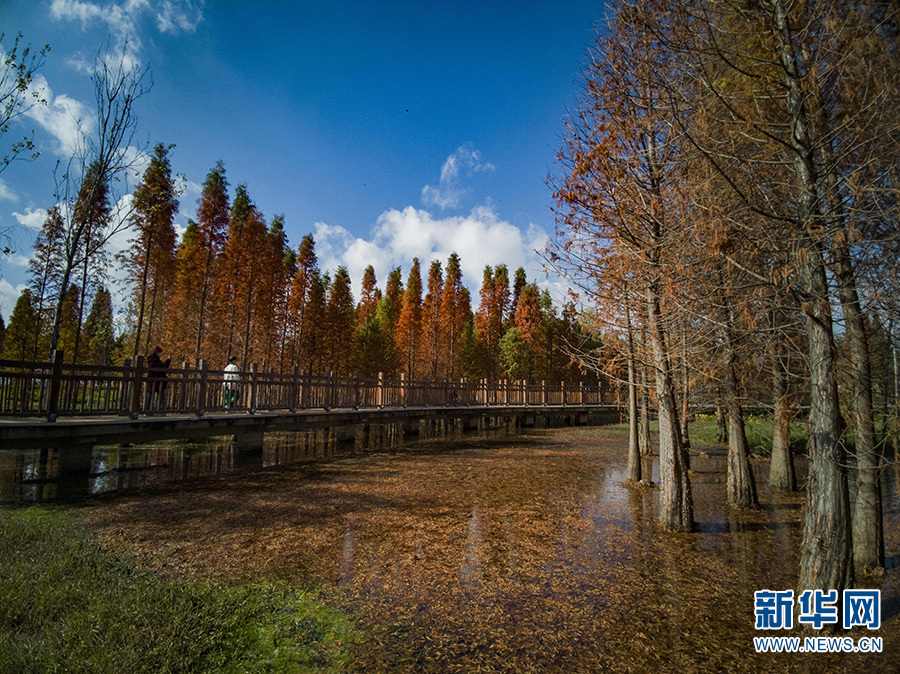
(102, 157)
(17, 69)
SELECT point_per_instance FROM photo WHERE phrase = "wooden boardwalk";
(56, 390)
(73, 408)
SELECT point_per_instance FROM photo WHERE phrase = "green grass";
(758, 428)
(67, 605)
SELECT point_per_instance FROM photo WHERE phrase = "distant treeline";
(234, 286)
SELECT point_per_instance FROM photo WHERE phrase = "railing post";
(304, 390)
(136, 386)
(295, 389)
(379, 392)
(184, 386)
(562, 389)
(254, 383)
(329, 390)
(356, 389)
(55, 386)
(581, 391)
(201, 388)
(544, 392)
(402, 389)
(123, 400)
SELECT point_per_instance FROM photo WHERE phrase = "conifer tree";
(530, 323)
(340, 322)
(431, 355)
(455, 312)
(409, 325)
(151, 257)
(272, 298)
(368, 301)
(315, 326)
(490, 317)
(93, 208)
(99, 329)
(45, 269)
(212, 222)
(68, 326)
(18, 340)
(301, 287)
(185, 304)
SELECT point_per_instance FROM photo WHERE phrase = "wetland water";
(525, 553)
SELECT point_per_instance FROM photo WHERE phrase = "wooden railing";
(50, 390)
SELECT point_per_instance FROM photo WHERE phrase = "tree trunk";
(676, 509)
(868, 533)
(644, 442)
(685, 393)
(201, 313)
(249, 318)
(81, 299)
(740, 486)
(634, 455)
(781, 469)
(57, 313)
(140, 323)
(721, 426)
(825, 554)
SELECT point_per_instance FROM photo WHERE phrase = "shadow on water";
(518, 554)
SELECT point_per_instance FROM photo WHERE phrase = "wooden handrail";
(58, 389)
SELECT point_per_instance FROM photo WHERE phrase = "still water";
(32, 476)
(501, 554)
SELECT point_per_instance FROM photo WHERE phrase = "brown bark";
(825, 554)
(781, 469)
(676, 508)
(644, 442)
(721, 426)
(634, 455)
(740, 486)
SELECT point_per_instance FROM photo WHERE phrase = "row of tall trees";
(729, 200)
(232, 285)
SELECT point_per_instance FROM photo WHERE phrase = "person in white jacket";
(231, 384)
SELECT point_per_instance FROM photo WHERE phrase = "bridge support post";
(75, 459)
(249, 441)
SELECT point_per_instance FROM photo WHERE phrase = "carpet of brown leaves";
(516, 554)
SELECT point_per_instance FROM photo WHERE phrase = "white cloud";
(176, 17)
(33, 218)
(122, 21)
(449, 192)
(17, 260)
(479, 238)
(8, 296)
(6, 194)
(119, 21)
(63, 117)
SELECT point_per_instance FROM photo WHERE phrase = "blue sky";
(387, 129)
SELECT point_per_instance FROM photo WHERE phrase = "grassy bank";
(68, 605)
(702, 431)
(758, 428)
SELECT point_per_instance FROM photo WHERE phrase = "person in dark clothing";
(156, 379)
